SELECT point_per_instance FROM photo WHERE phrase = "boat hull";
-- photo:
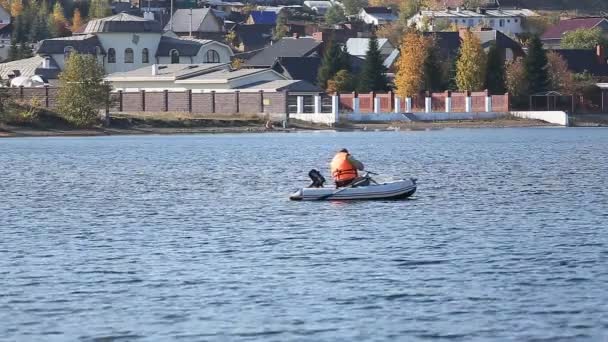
(393, 190)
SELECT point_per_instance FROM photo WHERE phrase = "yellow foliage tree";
(409, 79)
(77, 21)
(471, 64)
(58, 16)
(16, 8)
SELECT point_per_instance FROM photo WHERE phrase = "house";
(298, 68)
(553, 36)
(358, 46)
(124, 42)
(508, 21)
(203, 77)
(200, 23)
(286, 47)
(252, 37)
(262, 17)
(5, 33)
(319, 7)
(508, 48)
(336, 33)
(377, 15)
(224, 6)
(592, 61)
(29, 67)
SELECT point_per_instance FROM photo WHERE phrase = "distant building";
(199, 23)
(552, 38)
(298, 68)
(507, 21)
(262, 17)
(252, 37)
(377, 15)
(319, 7)
(5, 33)
(592, 61)
(286, 47)
(357, 48)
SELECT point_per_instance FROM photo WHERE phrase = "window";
(128, 55)
(515, 20)
(145, 58)
(212, 57)
(174, 56)
(471, 22)
(492, 22)
(67, 51)
(111, 55)
(464, 21)
(501, 23)
(508, 20)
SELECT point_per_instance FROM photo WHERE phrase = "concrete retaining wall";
(556, 117)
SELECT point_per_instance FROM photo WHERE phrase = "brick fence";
(204, 103)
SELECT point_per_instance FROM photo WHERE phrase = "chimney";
(46, 63)
(457, 9)
(154, 69)
(601, 54)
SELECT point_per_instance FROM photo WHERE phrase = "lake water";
(193, 238)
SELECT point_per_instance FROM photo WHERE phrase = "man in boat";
(344, 168)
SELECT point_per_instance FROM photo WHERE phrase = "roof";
(391, 59)
(254, 36)
(378, 10)
(122, 22)
(358, 46)
(487, 13)
(502, 41)
(181, 19)
(88, 43)
(581, 60)
(558, 30)
(5, 28)
(299, 68)
(286, 47)
(29, 67)
(170, 71)
(278, 85)
(447, 42)
(185, 47)
(318, 4)
(264, 17)
(226, 74)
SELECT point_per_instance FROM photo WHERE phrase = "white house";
(320, 7)
(508, 21)
(124, 42)
(358, 46)
(377, 15)
(5, 33)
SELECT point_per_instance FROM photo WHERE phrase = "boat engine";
(317, 179)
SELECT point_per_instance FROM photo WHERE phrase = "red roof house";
(553, 36)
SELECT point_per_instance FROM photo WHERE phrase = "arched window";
(67, 51)
(174, 56)
(212, 57)
(145, 58)
(111, 55)
(128, 55)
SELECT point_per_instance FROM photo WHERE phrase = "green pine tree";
(25, 50)
(99, 9)
(433, 78)
(495, 71)
(373, 76)
(13, 52)
(536, 66)
(280, 30)
(335, 15)
(330, 64)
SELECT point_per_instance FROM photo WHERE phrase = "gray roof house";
(196, 22)
(286, 47)
(122, 43)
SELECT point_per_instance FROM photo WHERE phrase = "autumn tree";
(560, 78)
(58, 22)
(409, 79)
(471, 64)
(99, 9)
(82, 92)
(77, 21)
(536, 66)
(495, 71)
(515, 80)
(16, 8)
(373, 75)
(342, 81)
(583, 39)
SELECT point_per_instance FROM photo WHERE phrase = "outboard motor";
(317, 179)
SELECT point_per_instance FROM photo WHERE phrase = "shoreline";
(215, 126)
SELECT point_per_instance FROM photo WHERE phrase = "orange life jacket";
(341, 169)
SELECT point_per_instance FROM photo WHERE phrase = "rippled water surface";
(193, 238)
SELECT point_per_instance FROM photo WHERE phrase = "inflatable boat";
(399, 189)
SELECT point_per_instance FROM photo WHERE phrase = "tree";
(58, 22)
(394, 32)
(409, 79)
(77, 21)
(342, 81)
(583, 39)
(334, 60)
(16, 8)
(515, 78)
(13, 52)
(495, 71)
(40, 28)
(536, 66)
(25, 50)
(280, 29)
(335, 15)
(352, 7)
(99, 9)
(433, 70)
(471, 64)
(82, 92)
(560, 78)
(373, 76)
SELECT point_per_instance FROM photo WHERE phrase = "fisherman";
(344, 168)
